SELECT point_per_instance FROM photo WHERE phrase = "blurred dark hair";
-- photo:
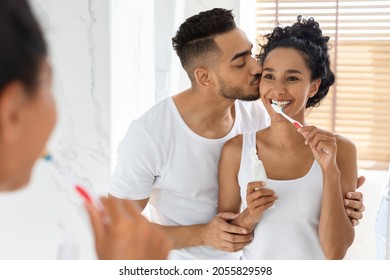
(195, 37)
(306, 37)
(22, 46)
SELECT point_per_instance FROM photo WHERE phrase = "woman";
(309, 170)
(27, 117)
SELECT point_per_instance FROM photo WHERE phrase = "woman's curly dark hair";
(306, 37)
(22, 45)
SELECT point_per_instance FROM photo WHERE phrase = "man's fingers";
(360, 181)
(355, 222)
(354, 196)
(229, 228)
(227, 216)
(237, 238)
(354, 214)
(354, 204)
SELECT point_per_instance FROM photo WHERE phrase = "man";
(169, 156)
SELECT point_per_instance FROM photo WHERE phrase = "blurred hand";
(122, 233)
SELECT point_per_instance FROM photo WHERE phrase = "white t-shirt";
(290, 230)
(162, 158)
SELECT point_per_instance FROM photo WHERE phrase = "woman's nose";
(279, 89)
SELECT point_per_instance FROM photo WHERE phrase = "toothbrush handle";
(294, 122)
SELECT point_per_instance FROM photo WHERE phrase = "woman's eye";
(268, 76)
(292, 79)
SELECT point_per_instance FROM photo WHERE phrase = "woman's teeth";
(281, 104)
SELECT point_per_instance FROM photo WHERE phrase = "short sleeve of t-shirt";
(137, 166)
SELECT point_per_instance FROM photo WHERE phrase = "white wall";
(77, 34)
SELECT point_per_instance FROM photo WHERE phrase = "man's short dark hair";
(195, 37)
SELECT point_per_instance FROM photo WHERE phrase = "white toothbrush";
(280, 111)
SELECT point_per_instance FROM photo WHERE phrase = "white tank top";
(289, 231)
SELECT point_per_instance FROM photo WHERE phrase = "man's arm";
(218, 233)
(139, 163)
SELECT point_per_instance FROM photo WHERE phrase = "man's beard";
(237, 93)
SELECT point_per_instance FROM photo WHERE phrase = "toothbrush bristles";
(281, 108)
(46, 156)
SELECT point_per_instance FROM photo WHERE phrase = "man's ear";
(12, 106)
(203, 76)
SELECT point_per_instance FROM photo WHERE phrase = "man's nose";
(256, 67)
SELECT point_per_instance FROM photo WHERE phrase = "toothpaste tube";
(258, 170)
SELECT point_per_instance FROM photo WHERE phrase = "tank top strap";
(249, 140)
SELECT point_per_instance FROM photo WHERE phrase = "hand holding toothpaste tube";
(259, 198)
(258, 170)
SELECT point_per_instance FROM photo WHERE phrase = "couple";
(171, 156)
(174, 149)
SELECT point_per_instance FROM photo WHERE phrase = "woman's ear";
(315, 85)
(203, 76)
(12, 106)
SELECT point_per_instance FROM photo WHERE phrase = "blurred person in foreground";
(27, 118)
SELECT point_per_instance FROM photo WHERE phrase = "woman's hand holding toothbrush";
(323, 145)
